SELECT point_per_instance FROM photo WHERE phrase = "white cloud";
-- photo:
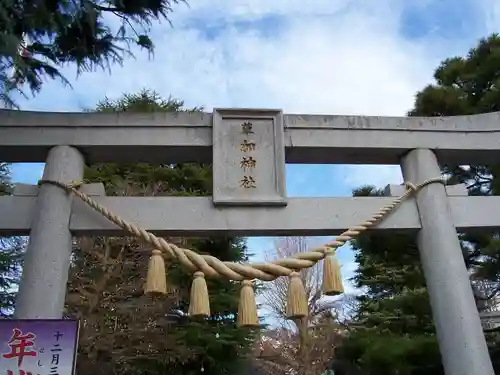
(235, 10)
(320, 59)
(349, 63)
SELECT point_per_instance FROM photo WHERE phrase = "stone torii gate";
(248, 149)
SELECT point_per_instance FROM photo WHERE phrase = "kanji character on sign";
(58, 335)
(248, 163)
(55, 359)
(246, 127)
(20, 345)
(246, 146)
(248, 182)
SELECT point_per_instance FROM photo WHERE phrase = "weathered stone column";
(46, 265)
(459, 331)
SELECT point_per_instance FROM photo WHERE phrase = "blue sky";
(332, 57)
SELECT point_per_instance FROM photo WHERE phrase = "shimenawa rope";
(211, 266)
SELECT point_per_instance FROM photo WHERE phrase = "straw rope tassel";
(156, 280)
(332, 278)
(297, 306)
(199, 305)
(247, 308)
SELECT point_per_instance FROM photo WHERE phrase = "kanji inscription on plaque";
(248, 157)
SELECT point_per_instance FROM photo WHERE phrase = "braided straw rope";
(213, 267)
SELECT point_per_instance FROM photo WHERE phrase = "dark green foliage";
(11, 256)
(5, 184)
(464, 86)
(181, 346)
(11, 251)
(395, 332)
(88, 33)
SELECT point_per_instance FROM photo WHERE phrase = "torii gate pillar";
(42, 290)
(461, 339)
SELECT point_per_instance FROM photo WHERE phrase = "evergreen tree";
(86, 33)
(126, 331)
(396, 333)
(11, 250)
(466, 86)
(5, 184)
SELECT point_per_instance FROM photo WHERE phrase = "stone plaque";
(248, 157)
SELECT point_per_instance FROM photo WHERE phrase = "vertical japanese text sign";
(38, 347)
(248, 157)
